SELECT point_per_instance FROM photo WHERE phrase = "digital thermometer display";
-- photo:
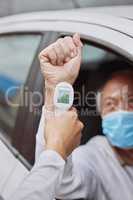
(63, 96)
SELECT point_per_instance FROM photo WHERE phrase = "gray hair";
(98, 101)
(127, 73)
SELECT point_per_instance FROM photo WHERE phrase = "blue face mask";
(118, 127)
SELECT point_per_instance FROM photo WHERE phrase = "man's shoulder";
(94, 145)
(93, 152)
(97, 144)
(98, 140)
(99, 148)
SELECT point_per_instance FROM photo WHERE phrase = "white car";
(107, 34)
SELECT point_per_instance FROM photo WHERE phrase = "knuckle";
(81, 125)
(40, 55)
(57, 44)
(57, 49)
(73, 114)
(72, 48)
(74, 109)
(68, 41)
(68, 38)
(60, 40)
(52, 55)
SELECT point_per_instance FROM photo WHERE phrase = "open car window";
(97, 64)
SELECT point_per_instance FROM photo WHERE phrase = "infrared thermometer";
(63, 97)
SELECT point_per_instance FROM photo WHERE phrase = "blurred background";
(9, 7)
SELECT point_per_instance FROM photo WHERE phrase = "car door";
(17, 52)
(20, 108)
(23, 137)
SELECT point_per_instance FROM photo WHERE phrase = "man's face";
(117, 95)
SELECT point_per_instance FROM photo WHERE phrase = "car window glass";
(16, 56)
(95, 54)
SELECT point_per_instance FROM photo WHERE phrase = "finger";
(62, 47)
(68, 42)
(74, 109)
(44, 52)
(59, 54)
(47, 56)
(76, 40)
(65, 48)
(80, 126)
(77, 59)
(51, 55)
(70, 50)
(73, 114)
(43, 60)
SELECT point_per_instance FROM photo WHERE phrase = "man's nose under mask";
(118, 127)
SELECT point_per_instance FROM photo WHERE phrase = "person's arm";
(58, 62)
(61, 62)
(40, 141)
(78, 179)
(42, 181)
(45, 177)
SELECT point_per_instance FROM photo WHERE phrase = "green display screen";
(63, 96)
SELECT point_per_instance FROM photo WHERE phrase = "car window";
(97, 64)
(95, 55)
(16, 56)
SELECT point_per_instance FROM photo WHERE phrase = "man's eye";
(109, 104)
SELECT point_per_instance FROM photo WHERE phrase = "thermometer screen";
(63, 96)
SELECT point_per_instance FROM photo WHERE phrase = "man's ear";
(98, 101)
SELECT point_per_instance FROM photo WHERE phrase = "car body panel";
(115, 40)
(97, 16)
(114, 32)
(119, 11)
(12, 171)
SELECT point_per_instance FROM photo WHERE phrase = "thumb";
(77, 58)
(76, 40)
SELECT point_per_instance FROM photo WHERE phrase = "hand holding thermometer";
(63, 97)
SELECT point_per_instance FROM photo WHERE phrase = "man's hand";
(63, 133)
(61, 61)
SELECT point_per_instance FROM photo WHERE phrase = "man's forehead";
(118, 86)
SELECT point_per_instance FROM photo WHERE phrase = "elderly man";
(103, 168)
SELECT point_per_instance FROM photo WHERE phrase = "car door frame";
(26, 129)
